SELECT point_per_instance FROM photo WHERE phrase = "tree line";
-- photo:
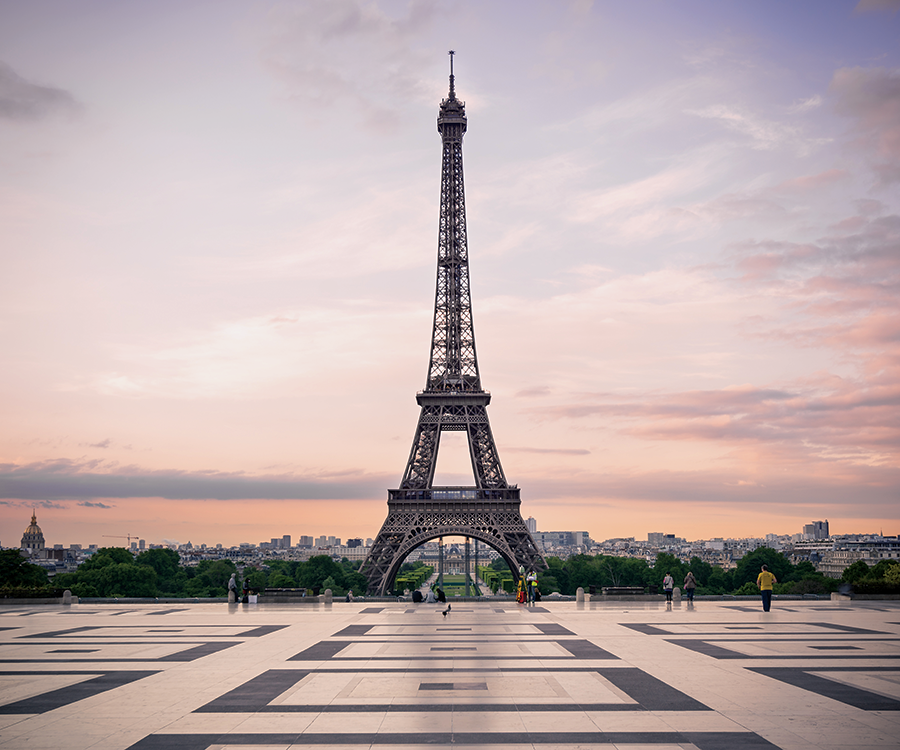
(115, 572)
(598, 571)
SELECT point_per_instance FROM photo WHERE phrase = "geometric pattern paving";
(491, 674)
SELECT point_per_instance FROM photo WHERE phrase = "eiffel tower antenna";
(452, 89)
(453, 400)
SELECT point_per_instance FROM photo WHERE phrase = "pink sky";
(218, 238)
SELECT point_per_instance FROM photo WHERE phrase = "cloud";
(242, 357)
(87, 480)
(719, 490)
(764, 134)
(102, 444)
(809, 183)
(89, 504)
(22, 100)
(550, 451)
(349, 52)
(871, 96)
(805, 105)
(864, 6)
(534, 392)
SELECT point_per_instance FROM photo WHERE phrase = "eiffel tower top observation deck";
(453, 400)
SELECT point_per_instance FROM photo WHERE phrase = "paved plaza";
(719, 676)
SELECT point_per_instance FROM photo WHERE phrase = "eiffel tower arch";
(453, 400)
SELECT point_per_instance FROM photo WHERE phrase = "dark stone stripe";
(553, 628)
(720, 652)
(58, 633)
(727, 740)
(74, 651)
(261, 631)
(436, 670)
(384, 657)
(847, 628)
(53, 699)
(649, 692)
(415, 708)
(255, 694)
(322, 650)
(453, 686)
(706, 648)
(852, 696)
(354, 630)
(197, 652)
(584, 649)
(644, 628)
(703, 740)
(181, 742)
(372, 611)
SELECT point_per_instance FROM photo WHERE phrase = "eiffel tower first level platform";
(453, 400)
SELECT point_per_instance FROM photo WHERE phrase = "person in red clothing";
(764, 582)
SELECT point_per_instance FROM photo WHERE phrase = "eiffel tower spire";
(453, 400)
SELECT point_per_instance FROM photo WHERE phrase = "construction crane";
(129, 537)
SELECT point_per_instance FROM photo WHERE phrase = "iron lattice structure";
(453, 399)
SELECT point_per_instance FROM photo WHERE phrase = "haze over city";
(218, 235)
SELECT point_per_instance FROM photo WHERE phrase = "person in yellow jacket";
(764, 582)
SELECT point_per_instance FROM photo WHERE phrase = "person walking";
(764, 582)
(531, 583)
(690, 583)
(668, 585)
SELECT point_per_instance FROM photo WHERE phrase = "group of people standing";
(690, 584)
(527, 591)
(765, 582)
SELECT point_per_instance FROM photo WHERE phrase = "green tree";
(313, 573)
(280, 580)
(218, 573)
(15, 570)
(802, 570)
(749, 566)
(107, 556)
(892, 575)
(719, 582)
(855, 572)
(257, 578)
(127, 579)
(164, 561)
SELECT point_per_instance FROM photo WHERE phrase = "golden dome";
(33, 528)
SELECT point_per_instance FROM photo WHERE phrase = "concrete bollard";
(676, 594)
(326, 598)
(67, 597)
(579, 595)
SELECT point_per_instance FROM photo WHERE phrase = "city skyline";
(219, 230)
(813, 530)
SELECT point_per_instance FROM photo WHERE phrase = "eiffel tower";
(453, 399)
